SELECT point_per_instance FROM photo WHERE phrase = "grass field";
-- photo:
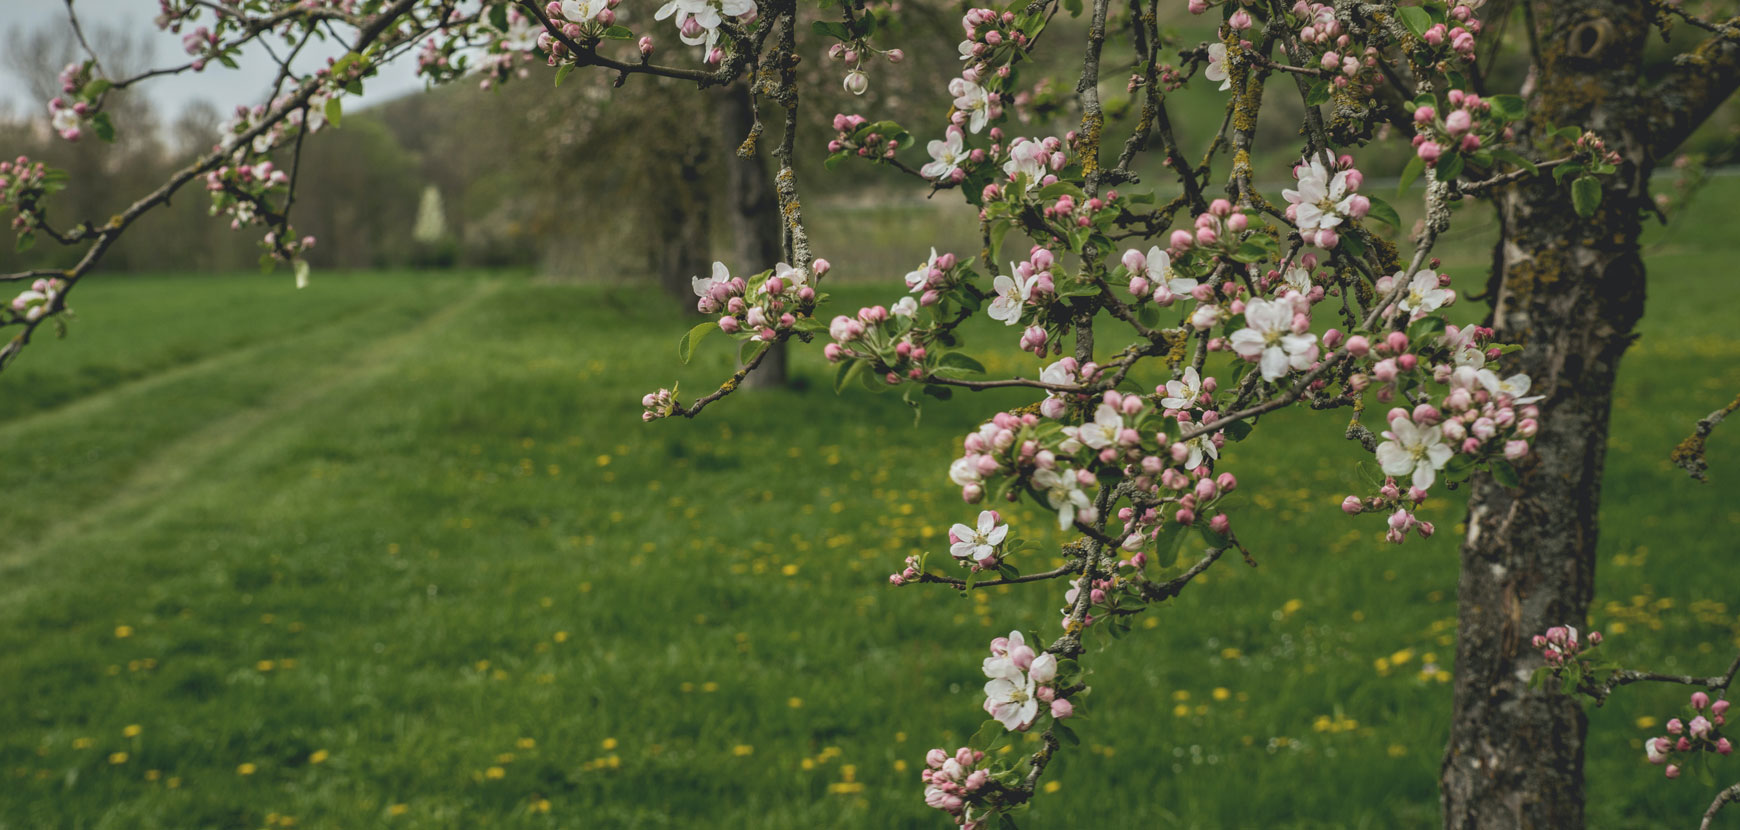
(396, 551)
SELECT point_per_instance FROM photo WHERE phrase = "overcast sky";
(218, 85)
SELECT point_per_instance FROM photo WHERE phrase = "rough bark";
(753, 211)
(1570, 290)
(686, 220)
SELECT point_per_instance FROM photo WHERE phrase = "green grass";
(412, 523)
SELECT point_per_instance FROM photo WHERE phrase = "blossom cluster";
(762, 306)
(1324, 200)
(33, 302)
(952, 778)
(1692, 739)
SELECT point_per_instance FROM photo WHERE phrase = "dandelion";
(123, 631)
(608, 744)
(246, 769)
(117, 757)
(742, 750)
(131, 731)
(495, 773)
(319, 756)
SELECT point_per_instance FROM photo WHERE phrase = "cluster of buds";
(1319, 25)
(198, 42)
(950, 780)
(1069, 213)
(854, 138)
(1400, 504)
(987, 31)
(1459, 129)
(1700, 733)
(286, 247)
(1458, 33)
(660, 404)
(1170, 79)
(1036, 159)
(239, 191)
(1594, 150)
(937, 274)
(23, 184)
(1561, 645)
(883, 338)
(31, 304)
(853, 55)
(1066, 372)
(991, 451)
(765, 305)
(913, 568)
(77, 103)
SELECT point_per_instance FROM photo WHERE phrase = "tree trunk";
(687, 221)
(753, 211)
(1570, 290)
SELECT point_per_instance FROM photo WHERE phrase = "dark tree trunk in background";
(687, 220)
(1570, 290)
(753, 211)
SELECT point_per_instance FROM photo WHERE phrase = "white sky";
(223, 87)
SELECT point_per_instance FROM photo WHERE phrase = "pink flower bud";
(1061, 708)
(1700, 700)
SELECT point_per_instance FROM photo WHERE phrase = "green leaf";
(334, 110)
(848, 370)
(562, 72)
(692, 338)
(1586, 195)
(833, 29)
(1067, 734)
(989, 732)
(96, 87)
(1416, 166)
(1148, 314)
(1449, 167)
(26, 241)
(498, 17)
(1505, 474)
(1051, 191)
(103, 127)
(300, 267)
(618, 33)
(1517, 160)
(1251, 251)
(1508, 107)
(1415, 19)
(1381, 211)
(1318, 94)
(961, 362)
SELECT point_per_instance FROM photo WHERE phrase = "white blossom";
(1183, 393)
(978, 543)
(946, 155)
(1216, 70)
(1268, 337)
(1411, 450)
